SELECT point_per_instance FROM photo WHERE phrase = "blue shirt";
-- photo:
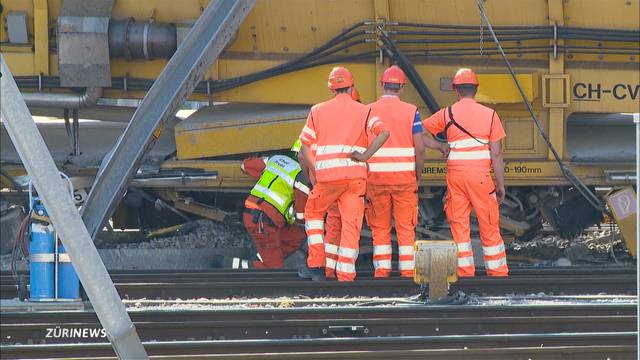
(417, 125)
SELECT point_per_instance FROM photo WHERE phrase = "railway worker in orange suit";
(394, 175)
(336, 131)
(274, 205)
(473, 132)
(332, 223)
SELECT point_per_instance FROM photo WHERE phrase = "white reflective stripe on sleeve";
(244, 264)
(330, 263)
(283, 175)
(405, 265)
(394, 152)
(272, 194)
(392, 166)
(302, 187)
(494, 264)
(347, 252)
(300, 216)
(314, 225)
(64, 257)
(334, 163)
(331, 249)
(315, 239)
(465, 261)
(469, 155)
(307, 130)
(382, 264)
(493, 250)
(467, 143)
(465, 246)
(405, 250)
(381, 249)
(338, 149)
(314, 147)
(345, 267)
(235, 263)
(373, 121)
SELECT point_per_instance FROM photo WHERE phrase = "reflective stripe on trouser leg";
(332, 228)
(405, 260)
(488, 213)
(351, 206)
(405, 216)
(378, 214)
(458, 210)
(346, 262)
(314, 229)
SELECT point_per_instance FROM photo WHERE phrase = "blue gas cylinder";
(41, 261)
(68, 282)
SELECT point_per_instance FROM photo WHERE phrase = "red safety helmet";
(340, 78)
(465, 76)
(355, 95)
(393, 75)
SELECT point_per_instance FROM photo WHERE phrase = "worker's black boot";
(317, 274)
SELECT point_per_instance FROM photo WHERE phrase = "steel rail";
(470, 343)
(326, 322)
(172, 287)
(230, 274)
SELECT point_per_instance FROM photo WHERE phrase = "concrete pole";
(67, 221)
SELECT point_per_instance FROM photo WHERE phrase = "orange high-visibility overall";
(469, 183)
(334, 129)
(273, 237)
(392, 189)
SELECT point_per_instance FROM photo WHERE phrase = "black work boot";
(317, 274)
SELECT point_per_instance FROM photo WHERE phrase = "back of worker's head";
(393, 80)
(340, 81)
(465, 83)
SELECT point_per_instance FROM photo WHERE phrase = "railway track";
(222, 284)
(328, 322)
(618, 345)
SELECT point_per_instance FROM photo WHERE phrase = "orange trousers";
(349, 195)
(332, 230)
(400, 202)
(464, 191)
(274, 244)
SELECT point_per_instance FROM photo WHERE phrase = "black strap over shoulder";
(453, 122)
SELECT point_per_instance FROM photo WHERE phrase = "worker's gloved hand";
(500, 193)
(358, 156)
(444, 149)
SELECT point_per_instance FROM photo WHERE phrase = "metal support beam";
(206, 40)
(66, 220)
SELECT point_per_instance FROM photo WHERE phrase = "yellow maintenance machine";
(83, 66)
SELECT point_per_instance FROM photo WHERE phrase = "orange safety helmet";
(393, 75)
(465, 76)
(340, 78)
(355, 95)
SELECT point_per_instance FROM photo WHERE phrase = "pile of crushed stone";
(591, 247)
(204, 234)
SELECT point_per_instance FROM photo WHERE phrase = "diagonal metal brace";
(66, 220)
(202, 46)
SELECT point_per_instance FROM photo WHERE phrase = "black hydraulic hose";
(568, 173)
(416, 80)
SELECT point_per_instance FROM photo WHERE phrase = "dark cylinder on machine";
(132, 39)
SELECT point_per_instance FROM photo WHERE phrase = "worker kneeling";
(336, 130)
(394, 175)
(275, 203)
(474, 132)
